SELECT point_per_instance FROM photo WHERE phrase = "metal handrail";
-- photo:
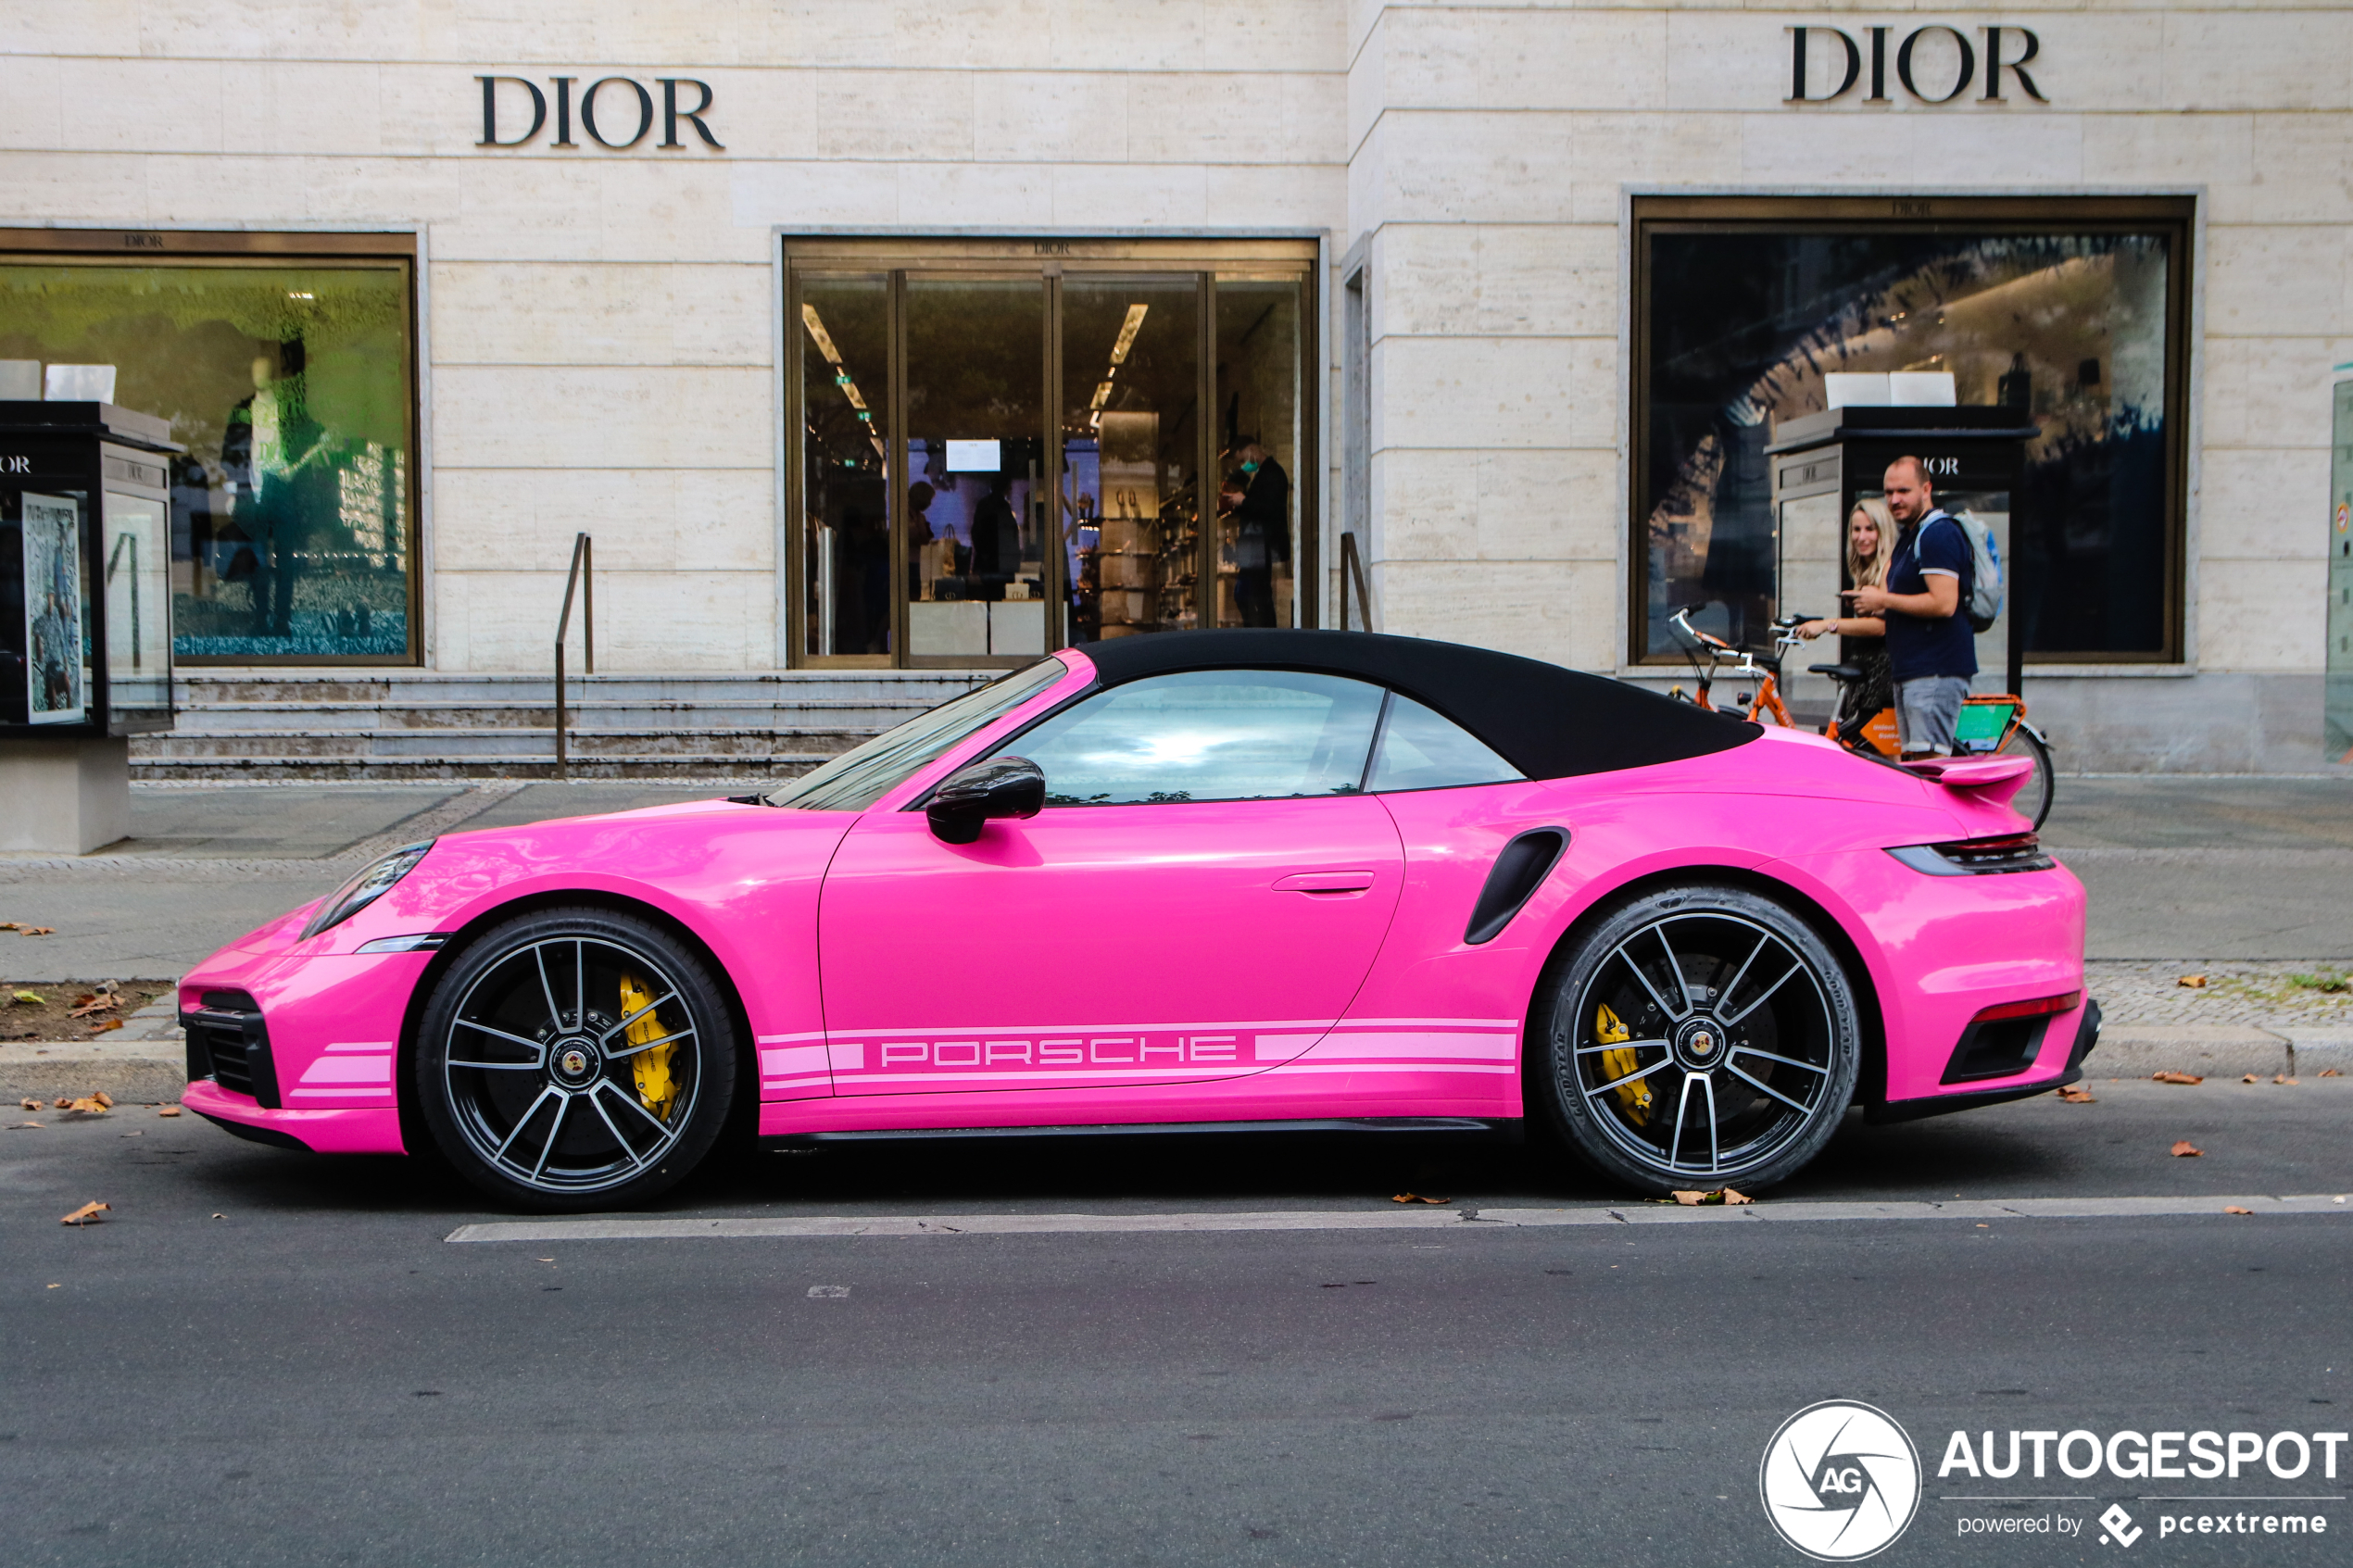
(582, 577)
(1352, 564)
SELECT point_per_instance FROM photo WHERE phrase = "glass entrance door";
(1004, 447)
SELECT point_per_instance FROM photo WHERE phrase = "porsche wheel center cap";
(575, 1062)
(1700, 1042)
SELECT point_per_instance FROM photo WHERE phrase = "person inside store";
(996, 541)
(1931, 651)
(919, 500)
(1870, 545)
(1257, 498)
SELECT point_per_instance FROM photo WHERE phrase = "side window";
(1208, 735)
(1420, 750)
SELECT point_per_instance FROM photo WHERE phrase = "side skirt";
(1508, 1127)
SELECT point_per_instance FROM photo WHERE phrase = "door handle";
(1325, 882)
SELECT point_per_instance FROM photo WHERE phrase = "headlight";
(367, 887)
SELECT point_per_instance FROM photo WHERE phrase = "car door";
(1201, 898)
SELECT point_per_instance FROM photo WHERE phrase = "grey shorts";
(1927, 709)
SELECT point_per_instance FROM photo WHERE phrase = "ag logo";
(1840, 1481)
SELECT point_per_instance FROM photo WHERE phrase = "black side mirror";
(1002, 786)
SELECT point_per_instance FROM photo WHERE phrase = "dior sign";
(1934, 64)
(625, 104)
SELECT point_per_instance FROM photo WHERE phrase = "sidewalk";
(2243, 879)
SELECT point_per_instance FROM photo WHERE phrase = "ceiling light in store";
(1128, 331)
(294, 294)
(817, 331)
(1103, 395)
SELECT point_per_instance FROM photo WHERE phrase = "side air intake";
(1519, 872)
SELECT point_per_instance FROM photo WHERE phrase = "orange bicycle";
(1991, 725)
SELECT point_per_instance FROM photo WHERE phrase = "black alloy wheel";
(1698, 1037)
(575, 1059)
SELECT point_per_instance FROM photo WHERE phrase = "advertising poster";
(53, 609)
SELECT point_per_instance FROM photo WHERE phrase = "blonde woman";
(1871, 546)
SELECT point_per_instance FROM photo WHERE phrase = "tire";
(2032, 802)
(538, 1086)
(1760, 1062)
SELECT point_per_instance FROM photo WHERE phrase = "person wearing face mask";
(1258, 500)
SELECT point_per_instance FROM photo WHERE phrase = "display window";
(2070, 314)
(1003, 447)
(285, 366)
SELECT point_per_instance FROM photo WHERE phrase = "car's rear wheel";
(1699, 1037)
(575, 1059)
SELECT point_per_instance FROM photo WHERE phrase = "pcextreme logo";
(1840, 1481)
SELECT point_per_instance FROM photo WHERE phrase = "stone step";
(784, 717)
(423, 723)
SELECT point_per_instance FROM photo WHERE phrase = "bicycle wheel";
(2034, 802)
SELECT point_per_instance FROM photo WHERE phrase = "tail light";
(1976, 857)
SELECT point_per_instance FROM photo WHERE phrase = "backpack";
(1984, 601)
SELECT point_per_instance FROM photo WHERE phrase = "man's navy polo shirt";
(1915, 646)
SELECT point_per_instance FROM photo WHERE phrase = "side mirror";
(1002, 786)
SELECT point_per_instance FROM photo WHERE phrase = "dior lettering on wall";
(623, 102)
(1935, 64)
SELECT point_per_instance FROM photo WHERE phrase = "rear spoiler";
(1993, 779)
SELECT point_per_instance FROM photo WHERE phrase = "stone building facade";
(612, 333)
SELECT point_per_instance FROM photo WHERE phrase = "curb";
(136, 1072)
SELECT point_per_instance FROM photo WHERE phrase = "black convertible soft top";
(1547, 721)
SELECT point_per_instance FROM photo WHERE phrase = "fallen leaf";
(1405, 1197)
(89, 1105)
(1733, 1197)
(1438, 1200)
(37, 930)
(220, 1216)
(2185, 1149)
(89, 1004)
(2250, 1078)
(166, 1111)
(2234, 1208)
(109, 1024)
(1690, 1199)
(29, 1105)
(104, 1098)
(57, 1288)
(2331, 1072)
(2194, 982)
(30, 1000)
(2282, 1078)
(26, 1126)
(87, 1215)
(9, 925)
(2177, 1077)
(2075, 1096)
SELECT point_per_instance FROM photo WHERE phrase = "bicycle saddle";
(1835, 671)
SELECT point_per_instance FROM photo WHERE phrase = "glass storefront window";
(975, 515)
(1259, 442)
(2071, 314)
(1131, 452)
(292, 529)
(845, 392)
(1039, 429)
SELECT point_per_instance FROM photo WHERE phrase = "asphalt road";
(269, 1358)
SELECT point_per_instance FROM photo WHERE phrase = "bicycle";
(1989, 725)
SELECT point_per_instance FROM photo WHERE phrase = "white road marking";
(828, 1292)
(1464, 1219)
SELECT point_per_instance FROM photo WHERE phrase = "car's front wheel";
(575, 1059)
(1699, 1037)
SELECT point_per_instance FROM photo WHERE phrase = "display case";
(86, 564)
(1823, 463)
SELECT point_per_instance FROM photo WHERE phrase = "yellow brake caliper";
(650, 1067)
(1635, 1092)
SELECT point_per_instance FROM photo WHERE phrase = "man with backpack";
(1931, 650)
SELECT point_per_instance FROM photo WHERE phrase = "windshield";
(866, 774)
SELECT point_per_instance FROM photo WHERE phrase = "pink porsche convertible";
(1230, 880)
